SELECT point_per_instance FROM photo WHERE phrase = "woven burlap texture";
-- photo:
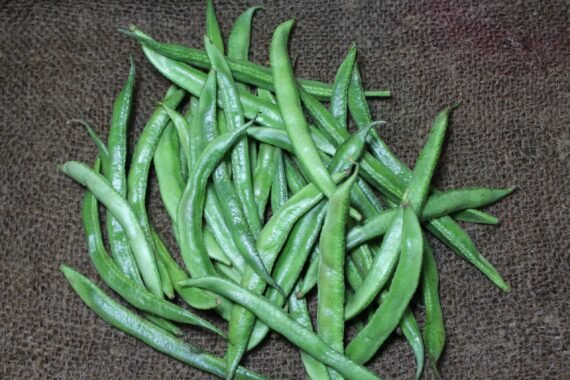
(507, 61)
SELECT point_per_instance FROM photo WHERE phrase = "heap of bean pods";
(266, 207)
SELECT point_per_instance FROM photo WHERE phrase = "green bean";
(476, 216)
(403, 286)
(168, 171)
(437, 205)
(196, 299)
(212, 27)
(266, 165)
(190, 208)
(279, 193)
(183, 130)
(245, 71)
(311, 277)
(228, 272)
(213, 248)
(293, 117)
(114, 171)
(239, 156)
(165, 281)
(380, 270)
(299, 312)
(330, 310)
(101, 147)
(143, 153)
(277, 320)
(411, 331)
(263, 177)
(418, 186)
(166, 325)
(434, 328)
(133, 293)
(127, 321)
(279, 138)
(240, 35)
(121, 210)
(339, 98)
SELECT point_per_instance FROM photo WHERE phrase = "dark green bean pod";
(279, 193)
(263, 177)
(339, 97)
(244, 71)
(380, 271)
(434, 328)
(291, 261)
(411, 331)
(403, 286)
(196, 299)
(114, 171)
(233, 112)
(168, 171)
(125, 320)
(143, 154)
(300, 313)
(133, 293)
(280, 322)
(476, 216)
(213, 211)
(183, 130)
(213, 27)
(331, 288)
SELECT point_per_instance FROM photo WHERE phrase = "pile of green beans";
(264, 208)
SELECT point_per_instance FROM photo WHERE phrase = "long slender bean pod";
(330, 310)
(240, 35)
(114, 171)
(339, 97)
(434, 328)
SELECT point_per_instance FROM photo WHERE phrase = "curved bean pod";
(434, 327)
(380, 270)
(339, 97)
(330, 309)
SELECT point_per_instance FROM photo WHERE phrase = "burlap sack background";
(508, 62)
